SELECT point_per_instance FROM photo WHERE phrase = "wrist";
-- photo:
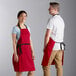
(15, 53)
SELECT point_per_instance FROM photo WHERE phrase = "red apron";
(25, 62)
(47, 53)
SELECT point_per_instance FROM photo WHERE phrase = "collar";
(55, 14)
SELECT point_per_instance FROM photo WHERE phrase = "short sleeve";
(50, 24)
(29, 29)
(14, 30)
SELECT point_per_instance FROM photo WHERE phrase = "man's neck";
(55, 14)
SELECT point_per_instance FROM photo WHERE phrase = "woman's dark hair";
(20, 12)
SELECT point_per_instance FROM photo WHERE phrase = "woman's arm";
(14, 43)
(14, 47)
(32, 49)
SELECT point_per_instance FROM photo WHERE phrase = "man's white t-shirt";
(56, 25)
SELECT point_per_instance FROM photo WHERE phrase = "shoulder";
(57, 17)
(51, 20)
(15, 29)
(50, 23)
(28, 27)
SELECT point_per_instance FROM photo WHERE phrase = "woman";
(23, 56)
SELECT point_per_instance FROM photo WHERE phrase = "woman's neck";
(21, 24)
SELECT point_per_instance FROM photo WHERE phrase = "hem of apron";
(24, 70)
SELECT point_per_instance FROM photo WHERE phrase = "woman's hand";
(16, 58)
(33, 56)
(43, 49)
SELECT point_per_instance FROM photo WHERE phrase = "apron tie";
(61, 43)
(19, 45)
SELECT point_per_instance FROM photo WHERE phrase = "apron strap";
(20, 27)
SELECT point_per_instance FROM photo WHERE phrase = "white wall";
(37, 19)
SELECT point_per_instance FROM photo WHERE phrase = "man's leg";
(46, 69)
(58, 61)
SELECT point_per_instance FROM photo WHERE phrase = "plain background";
(37, 19)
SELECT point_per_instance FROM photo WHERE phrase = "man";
(53, 42)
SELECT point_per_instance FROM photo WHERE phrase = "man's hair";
(55, 5)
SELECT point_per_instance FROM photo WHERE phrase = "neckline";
(23, 28)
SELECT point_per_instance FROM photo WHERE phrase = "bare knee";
(46, 68)
(59, 67)
(18, 73)
(30, 73)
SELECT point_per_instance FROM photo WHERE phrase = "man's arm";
(46, 39)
